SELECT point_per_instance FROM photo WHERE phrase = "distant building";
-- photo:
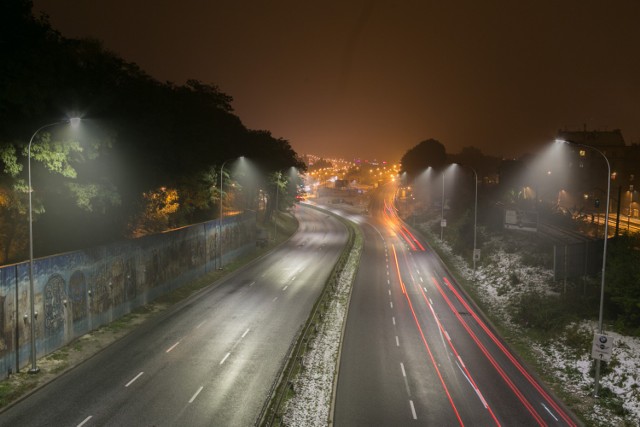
(625, 169)
(577, 184)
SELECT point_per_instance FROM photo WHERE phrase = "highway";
(210, 360)
(417, 352)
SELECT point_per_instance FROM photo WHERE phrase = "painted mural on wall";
(78, 295)
(54, 297)
(79, 291)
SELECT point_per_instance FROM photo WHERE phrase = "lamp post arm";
(475, 219)
(221, 212)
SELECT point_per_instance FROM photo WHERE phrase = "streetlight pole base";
(34, 370)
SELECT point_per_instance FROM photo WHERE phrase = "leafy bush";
(544, 313)
(578, 338)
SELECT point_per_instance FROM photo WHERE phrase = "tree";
(159, 206)
(623, 281)
(146, 135)
(428, 153)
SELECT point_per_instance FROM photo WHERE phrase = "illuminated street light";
(476, 256)
(74, 122)
(604, 252)
(221, 210)
(275, 208)
(443, 221)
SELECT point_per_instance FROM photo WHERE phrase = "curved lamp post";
(604, 252)
(475, 215)
(475, 220)
(221, 210)
(442, 214)
(74, 122)
(275, 208)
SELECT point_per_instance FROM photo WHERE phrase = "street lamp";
(475, 215)
(221, 210)
(275, 208)
(74, 122)
(475, 220)
(604, 252)
(442, 220)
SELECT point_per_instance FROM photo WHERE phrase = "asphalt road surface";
(209, 361)
(416, 352)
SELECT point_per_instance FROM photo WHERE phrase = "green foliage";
(150, 135)
(56, 156)
(578, 338)
(544, 313)
(623, 281)
(92, 196)
(9, 160)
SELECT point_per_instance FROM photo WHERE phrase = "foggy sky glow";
(373, 78)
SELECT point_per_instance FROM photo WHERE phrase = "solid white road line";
(225, 358)
(172, 347)
(85, 421)
(413, 410)
(406, 381)
(195, 395)
(135, 378)
(550, 413)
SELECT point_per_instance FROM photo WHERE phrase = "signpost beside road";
(602, 347)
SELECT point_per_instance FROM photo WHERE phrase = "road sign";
(443, 223)
(476, 254)
(602, 347)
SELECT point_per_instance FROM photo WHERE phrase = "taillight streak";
(445, 334)
(463, 367)
(413, 238)
(507, 353)
(490, 358)
(426, 345)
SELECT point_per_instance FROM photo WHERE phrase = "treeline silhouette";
(142, 142)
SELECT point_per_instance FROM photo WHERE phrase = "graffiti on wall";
(75, 290)
(54, 297)
(78, 295)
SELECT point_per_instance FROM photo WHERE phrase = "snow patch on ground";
(495, 279)
(314, 385)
